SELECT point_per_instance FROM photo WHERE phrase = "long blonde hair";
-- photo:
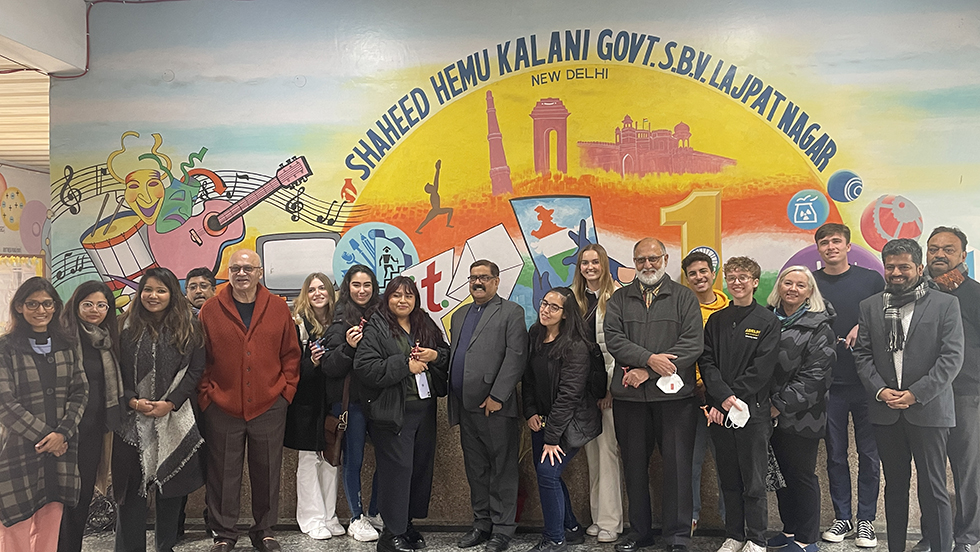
(303, 310)
(606, 284)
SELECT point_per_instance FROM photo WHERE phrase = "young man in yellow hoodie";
(700, 273)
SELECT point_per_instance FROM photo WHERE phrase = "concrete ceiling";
(24, 132)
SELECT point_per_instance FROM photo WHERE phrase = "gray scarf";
(165, 444)
(893, 316)
(99, 339)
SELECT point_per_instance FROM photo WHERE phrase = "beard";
(650, 279)
(898, 289)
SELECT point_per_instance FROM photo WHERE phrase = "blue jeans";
(556, 507)
(354, 439)
(853, 399)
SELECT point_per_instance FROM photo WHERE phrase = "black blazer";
(932, 356)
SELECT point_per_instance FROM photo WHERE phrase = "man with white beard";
(653, 330)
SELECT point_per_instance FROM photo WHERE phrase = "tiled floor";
(438, 541)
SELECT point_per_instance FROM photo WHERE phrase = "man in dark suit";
(909, 348)
(946, 269)
(489, 352)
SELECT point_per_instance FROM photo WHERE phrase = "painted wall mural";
(418, 140)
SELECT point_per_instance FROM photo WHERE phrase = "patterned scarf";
(951, 280)
(788, 320)
(99, 339)
(893, 316)
(165, 444)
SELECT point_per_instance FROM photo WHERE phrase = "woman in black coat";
(316, 479)
(800, 383)
(158, 447)
(402, 363)
(357, 301)
(559, 412)
(90, 317)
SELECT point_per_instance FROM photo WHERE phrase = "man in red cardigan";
(252, 370)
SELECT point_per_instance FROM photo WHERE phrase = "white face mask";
(670, 384)
(737, 418)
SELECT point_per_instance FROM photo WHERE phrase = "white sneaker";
(361, 530)
(375, 521)
(731, 545)
(840, 529)
(593, 530)
(607, 536)
(866, 535)
(319, 533)
(335, 528)
(753, 547)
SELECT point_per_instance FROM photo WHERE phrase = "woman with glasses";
(42, 398)
(158, 448)
(402, 363)
(593, 285)
(90, 318)
(316, 479)
(559, 412)
(357, 302)
(800, 384)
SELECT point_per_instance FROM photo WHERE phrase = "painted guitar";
(202, 239)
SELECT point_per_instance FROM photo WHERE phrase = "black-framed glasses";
(480, 278)
(48, 304)
(247, 269)
(553, 308)
(652, 259)
(101, 306)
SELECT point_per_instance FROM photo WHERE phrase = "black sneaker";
(575, 536)
(840, 529)
(547, 546)
(866, 535)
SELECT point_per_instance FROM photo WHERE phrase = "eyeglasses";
(480, 278)
(48, 304)
(553, 308)
(246, 269)
(741, 278)
(101, 306)
(652, 259)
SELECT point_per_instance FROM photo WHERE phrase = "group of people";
(184, 383)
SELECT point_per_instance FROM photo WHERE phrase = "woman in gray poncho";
(158, 447)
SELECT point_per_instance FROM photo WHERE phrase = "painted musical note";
(349, 192)
(295, 205)
(331, 220)
(234, 185)
(70, 196)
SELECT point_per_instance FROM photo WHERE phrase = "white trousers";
(605, 485)
(316, 491)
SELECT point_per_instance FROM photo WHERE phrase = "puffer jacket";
(575, 418)
(804, 372)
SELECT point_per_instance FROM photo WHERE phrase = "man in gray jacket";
(653, 330)
(909, 349)
(489, 353)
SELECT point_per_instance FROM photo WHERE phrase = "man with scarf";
(909, 348)
(947, 272)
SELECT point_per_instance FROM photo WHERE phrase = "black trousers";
(799, 501)
(669, 425)
(131, 514)
(404, 465)
(73, 519)
(743, 458)
(491, 446)
(898, 445)
(963, 448)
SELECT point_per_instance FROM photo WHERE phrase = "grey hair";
(817, 303)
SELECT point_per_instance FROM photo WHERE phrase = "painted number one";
(699, 216)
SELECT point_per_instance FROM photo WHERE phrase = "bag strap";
(345, 401)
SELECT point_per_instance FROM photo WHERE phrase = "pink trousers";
(39, 533)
